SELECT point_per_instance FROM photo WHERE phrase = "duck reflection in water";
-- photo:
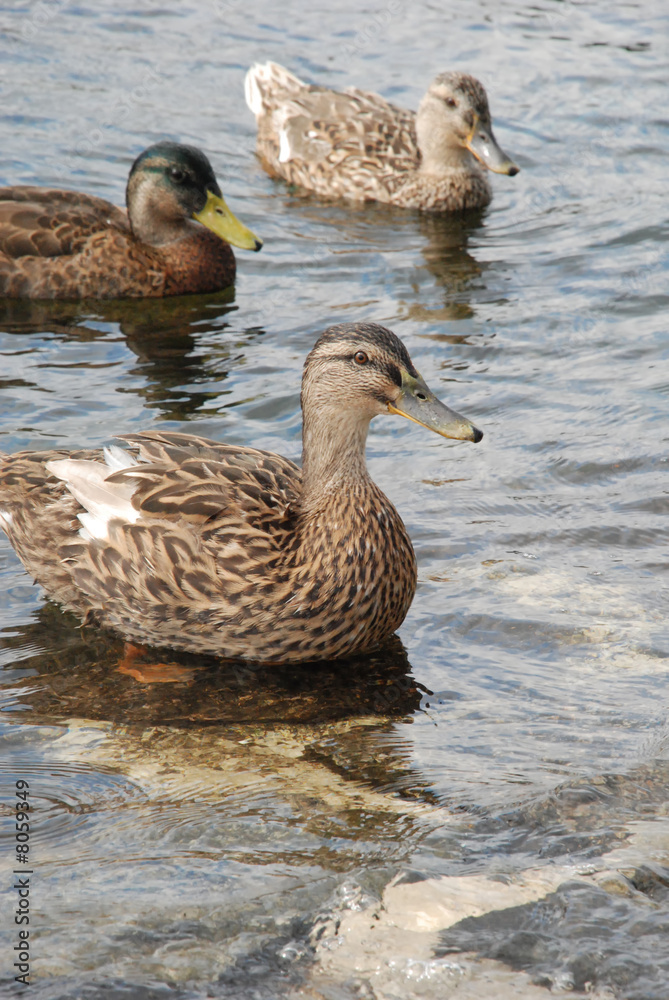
(75, 675)
(451, 265)
(168, 337)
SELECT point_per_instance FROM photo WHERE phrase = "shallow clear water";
(491, 797)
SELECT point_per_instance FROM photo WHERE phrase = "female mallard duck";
(67, 245)
(220, 549)
(356, 145)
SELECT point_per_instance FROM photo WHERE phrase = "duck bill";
(418, 403)
(482, 143)
(217, 216)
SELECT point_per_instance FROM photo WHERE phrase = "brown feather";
(224, 549)
(69, 245)
(356, 145)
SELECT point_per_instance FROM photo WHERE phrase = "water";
(483, 806)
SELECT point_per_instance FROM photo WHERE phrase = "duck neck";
(441, 151)
(442, 157)
(333, 455)
(155, 216)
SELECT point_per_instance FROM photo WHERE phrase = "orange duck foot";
(152, 673)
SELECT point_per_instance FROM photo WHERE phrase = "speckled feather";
(227, 550)
(68, 245)
(356, 145)
(95, 259)
(179, 577)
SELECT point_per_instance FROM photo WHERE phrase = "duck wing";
(188, 521)
(352, 143)
(45, 222)
(188, 533)
(360, 123)
(184, 478)
(66, 245)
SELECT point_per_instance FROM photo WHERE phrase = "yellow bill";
(217, 216)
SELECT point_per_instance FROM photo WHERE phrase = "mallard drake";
(357, 145)
(67, 245)
(215, 548)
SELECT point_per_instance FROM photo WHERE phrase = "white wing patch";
(103, 502)
(268, 85)
(118, 458)
(285, 152)
(252, 91)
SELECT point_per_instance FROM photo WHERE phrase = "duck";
(356, 145)
(174, 540)
(174, 238)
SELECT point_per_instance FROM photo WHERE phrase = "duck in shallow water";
(174, 239)
(216, 548)
(357, 145)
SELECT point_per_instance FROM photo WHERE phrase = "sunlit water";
(492, 799)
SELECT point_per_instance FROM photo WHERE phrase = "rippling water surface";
(481, 807)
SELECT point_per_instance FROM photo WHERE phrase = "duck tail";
(268, 84)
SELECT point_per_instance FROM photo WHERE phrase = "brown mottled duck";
(358, 146)
(215, 548)
(174, 239)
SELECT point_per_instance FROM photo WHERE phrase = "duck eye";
(177, 175)
(450, 102)
(360, 358)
